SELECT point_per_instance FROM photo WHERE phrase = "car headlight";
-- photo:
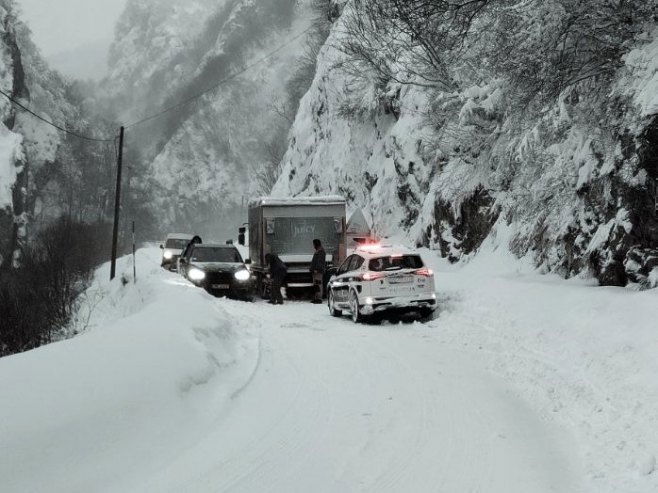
(168, 254)
(242, 275)
(196, 274)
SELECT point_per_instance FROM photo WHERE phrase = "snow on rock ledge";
(642, 63)
(441, 169)
(10, 151)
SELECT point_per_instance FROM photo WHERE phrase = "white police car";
(382, 282)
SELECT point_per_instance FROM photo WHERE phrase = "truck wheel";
(332, 305)
(354, 308)
(265, 291)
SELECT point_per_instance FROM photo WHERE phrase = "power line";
(167, 109)
(52, 124)
(221, 82)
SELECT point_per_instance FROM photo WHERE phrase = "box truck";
(287, 227)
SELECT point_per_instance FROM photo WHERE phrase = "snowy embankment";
(153, 371)
(582, 355)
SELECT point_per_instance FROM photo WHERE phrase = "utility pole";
(117, 207)
(134, 257)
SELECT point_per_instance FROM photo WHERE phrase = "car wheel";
(332, 305)
(354, 308)
(263, 288)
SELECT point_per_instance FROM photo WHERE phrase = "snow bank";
(155, 365)
(584, 355)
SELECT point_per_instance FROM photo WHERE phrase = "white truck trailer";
(287, 228)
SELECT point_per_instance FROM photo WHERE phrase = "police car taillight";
(370, 247)
(425, 272)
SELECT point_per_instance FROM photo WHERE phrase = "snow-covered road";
(339, 407)
(522, 383)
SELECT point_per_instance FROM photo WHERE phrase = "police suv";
(378, 282)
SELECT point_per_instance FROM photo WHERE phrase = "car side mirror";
(247, 261)
(161, 247)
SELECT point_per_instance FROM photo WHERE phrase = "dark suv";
(219, 269)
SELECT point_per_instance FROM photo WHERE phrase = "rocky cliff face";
(203, 160)
(39, 167)
(571, 182)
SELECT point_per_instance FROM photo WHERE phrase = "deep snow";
(522, 383)
(110, 407)
(582, 355)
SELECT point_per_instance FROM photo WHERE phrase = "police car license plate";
(221, 286)
(400, 279)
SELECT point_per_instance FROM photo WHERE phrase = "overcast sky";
(73, 35)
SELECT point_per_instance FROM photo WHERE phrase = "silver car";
(172, 248)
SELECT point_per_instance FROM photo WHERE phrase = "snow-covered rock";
(442, 167)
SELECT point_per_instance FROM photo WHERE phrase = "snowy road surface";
(338, 407)
(522, 384)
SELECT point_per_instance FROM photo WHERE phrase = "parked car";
(378, 282)
(172, 249)
(219, 269)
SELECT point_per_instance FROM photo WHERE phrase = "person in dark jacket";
(278, 271)
(318, 268)
(196, 240)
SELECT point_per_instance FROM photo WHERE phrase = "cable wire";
(221, 82)
(167, 109)
(52, 124)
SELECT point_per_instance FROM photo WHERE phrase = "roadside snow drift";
(100, 411)
(582, 355)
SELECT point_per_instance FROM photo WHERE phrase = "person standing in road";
(278, 271)
(318, 267)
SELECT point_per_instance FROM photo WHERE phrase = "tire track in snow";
(338, 407)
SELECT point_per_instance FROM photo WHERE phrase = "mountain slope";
(41, 167)
(203, 159)
(447, 149)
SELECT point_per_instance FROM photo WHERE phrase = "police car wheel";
(332, 305)
(354, 308)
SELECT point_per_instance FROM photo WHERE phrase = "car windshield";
(395, 263)
(216, 254)
(176, 244)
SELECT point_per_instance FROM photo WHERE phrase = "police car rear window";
(380, 264)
